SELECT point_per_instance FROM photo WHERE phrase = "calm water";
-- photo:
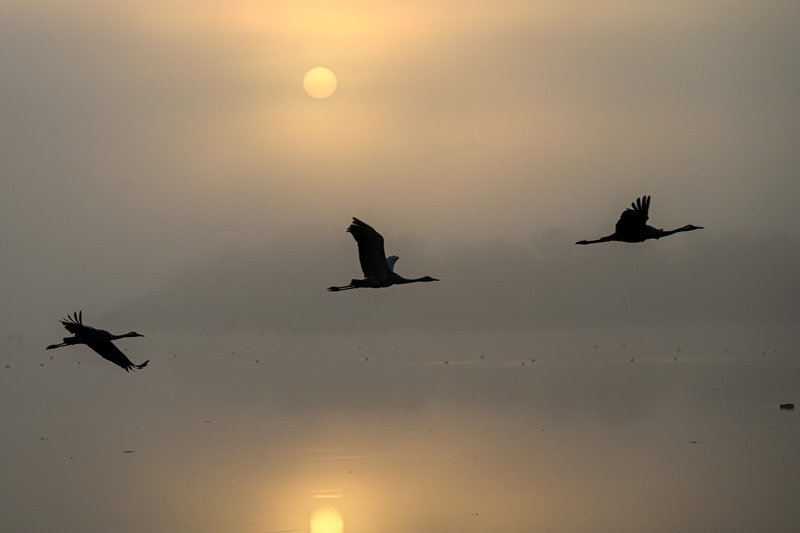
(406, 432)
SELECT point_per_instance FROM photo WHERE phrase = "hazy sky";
(144, 145)
(162, 169)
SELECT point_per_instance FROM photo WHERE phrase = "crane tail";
(142, 365)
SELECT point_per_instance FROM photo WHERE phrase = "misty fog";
(162, 170)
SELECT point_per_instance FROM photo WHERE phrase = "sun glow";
(326, 520)
(320, 82)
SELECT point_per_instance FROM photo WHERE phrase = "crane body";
(99, 340)
(378, 269)
(632, 225)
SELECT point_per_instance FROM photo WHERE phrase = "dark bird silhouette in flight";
(378, 269)
(98, 340)
(632, 225)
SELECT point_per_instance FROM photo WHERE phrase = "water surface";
(513, 432)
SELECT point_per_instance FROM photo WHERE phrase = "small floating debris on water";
(788, 406)
(674, 358)
(533, 360)
(258, 361)
(128, 451)
(447, 362)
(631, 359)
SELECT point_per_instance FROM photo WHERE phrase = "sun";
(320, 82)
(326, 520)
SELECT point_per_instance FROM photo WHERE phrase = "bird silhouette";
(98, 340)
(632, 225)
(378, 269)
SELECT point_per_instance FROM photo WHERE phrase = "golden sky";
(455, 122)
(162, 168)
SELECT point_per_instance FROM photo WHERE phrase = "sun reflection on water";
(326, 519)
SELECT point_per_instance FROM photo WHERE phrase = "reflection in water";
(580, 440)
(326, 519)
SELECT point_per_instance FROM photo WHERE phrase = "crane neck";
(664, 233)
(125, 335)
(402, 280)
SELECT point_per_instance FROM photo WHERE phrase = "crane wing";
(108, 351)
(390, 261)
(74, 324)
(635, 217)
(370, 249)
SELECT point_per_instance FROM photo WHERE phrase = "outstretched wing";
(390, 261)
(110, 352)
(74, 324)
(635, 217)
(370, 249)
